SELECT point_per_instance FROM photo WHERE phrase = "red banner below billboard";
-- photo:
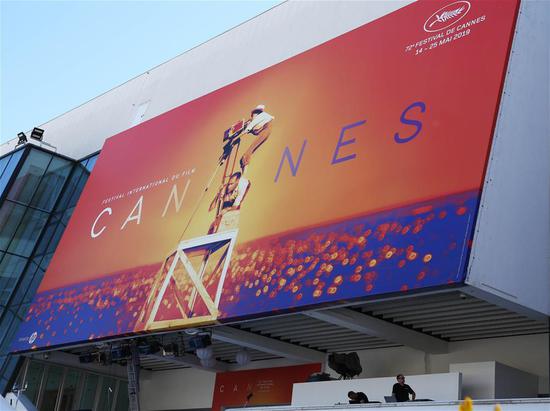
(270, 386)
(350, 170)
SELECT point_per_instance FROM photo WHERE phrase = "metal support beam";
(356, 321)
(133, 379)
(188, 360)
(269, 345)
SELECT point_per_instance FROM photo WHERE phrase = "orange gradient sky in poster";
(363, 75)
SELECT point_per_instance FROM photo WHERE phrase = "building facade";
(465, 303)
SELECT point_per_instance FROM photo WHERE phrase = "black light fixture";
(22, 139)
(199, 341)
(37, 133)
(347, 365)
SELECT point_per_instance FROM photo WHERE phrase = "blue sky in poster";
(56, 55)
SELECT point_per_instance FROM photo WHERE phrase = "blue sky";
(56, 55)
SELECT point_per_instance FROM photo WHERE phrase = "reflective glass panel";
(23, 310)
(54, 241)
(51, 389)
(5, 324)
(10, 335)
(70, 385)
(23, 287)
(11, 267)
(88, 392)
(122, 402)
(8, 171)
(10, 217)
(24, 186)
(39, 275)
(78, 190)
(45, 240)
(106, 398)
(3, 163)
(70, 187)
(19, 380)
(90, 163)
(9, 368)
(28, 232)
(32, 383)
(51, 184)
(67, 216)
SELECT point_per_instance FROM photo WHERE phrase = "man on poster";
(230, 195)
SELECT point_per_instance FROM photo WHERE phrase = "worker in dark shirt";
(357, 397)
(402, 390)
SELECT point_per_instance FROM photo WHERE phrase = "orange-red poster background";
(271, 386)
(365, 180)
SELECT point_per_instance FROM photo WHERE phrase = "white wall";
(176, 389)
(528, 353)
(511, 249)
(491, 379)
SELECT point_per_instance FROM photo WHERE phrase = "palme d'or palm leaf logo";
(447, 15)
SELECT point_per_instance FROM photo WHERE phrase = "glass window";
(11, 267)
(90, 163)
(32, 383)
(67, 216)
(11, 366)
(70, 385)
(9, 369)
(52, 245)
(10, 167)
(24, 186)
(23, 287)
(51, 389)
(3, 360)
(28, 232)
(122, 402)
(51, 184)
(4, 348)
(5, 326)
(3, 163)
(11, 215)
(88, 392)
(78, 190)
(23, 310)
(70, 187)
(106, 397)
(20, 374)
(29, 295)
(45, 261)
(45, 240)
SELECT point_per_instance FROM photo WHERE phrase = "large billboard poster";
(350, 170)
